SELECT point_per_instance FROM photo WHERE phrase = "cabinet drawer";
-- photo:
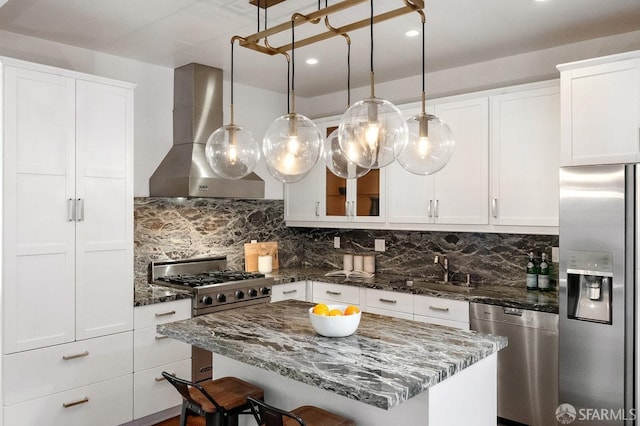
(152, 393)
(453, 310)
(160, 313)
(151, 349)
(336, 293)
(440, 321)
(389, 300)
(107, 403)
(41, 372)
(296, 290)
(389, 313)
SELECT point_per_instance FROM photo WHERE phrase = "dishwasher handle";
(513, 311)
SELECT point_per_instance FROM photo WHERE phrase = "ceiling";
(459, 32)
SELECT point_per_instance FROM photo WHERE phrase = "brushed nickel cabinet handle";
(494, 207)
(438, 308)
(161, 378)
(435, 210)
(161, 337)
(290, 291)
(334, 293)
(429, 209)
(71, 210)
(165, 314)
(80, 355)
(388, 300)
(74, 403)
(317, 208)
(80, 209)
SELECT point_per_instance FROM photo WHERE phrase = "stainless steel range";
(215, 289)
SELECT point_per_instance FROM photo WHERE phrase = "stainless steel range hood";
(197, 112)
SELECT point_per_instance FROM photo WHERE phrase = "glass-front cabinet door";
(352, 199)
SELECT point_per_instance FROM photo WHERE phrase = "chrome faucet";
(444, 265)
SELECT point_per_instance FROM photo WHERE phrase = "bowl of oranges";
(334, 320)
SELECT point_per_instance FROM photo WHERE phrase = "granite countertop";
(502, 293)
(386, 362)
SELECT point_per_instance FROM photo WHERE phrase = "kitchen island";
(391, 371)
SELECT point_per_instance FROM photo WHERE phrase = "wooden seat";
(219, 401)
(307, 415)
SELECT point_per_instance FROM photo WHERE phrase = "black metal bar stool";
(219, 401)
(307, 415)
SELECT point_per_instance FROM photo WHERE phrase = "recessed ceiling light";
(412, 33)
(312, 61)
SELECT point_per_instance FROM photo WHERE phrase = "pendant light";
(335, 159)
(431, 141)
(292, 144)
(373, 130)
(231, 150)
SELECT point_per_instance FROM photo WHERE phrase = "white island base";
(467, 398)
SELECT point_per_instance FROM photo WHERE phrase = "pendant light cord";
(371, 51)
(232, 43)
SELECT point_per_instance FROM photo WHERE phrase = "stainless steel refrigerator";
(598, 276)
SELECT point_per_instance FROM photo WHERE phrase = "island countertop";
(386, 362)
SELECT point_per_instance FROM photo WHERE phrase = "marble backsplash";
(172, 228)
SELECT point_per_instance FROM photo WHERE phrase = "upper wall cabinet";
(525, 130)
(68, 207)
(601, 110)
(458, 193)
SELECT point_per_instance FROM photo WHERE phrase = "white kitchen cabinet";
(68, 197)
(390, 303)
(154, 353)
(437, 310)
(104, 403)
(294, 290)
(329, 200)
(458, 193)
(336, 293)
(525, 135)
(600, 110)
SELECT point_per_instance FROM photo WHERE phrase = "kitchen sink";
(439, 286)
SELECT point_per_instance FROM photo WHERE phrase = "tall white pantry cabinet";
(67, 247)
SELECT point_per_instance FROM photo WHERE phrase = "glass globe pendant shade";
(429, 147)
(371, 131)
(285, 178)
(292, 146)
(338, 162)
(232, 152)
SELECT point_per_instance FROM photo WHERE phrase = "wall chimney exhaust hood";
(197, 112)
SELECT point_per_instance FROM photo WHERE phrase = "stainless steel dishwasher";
(528, 367)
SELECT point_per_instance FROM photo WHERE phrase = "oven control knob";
(265, 290)
(239, 294)
(221, 298)
(207, 300)
(253, 292)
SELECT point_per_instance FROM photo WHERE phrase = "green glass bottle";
(532, 273)
(543, 274)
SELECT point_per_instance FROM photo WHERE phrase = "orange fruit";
(350, 310)
(321, 309)
(335, 313)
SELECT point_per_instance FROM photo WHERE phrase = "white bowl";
(338, 326)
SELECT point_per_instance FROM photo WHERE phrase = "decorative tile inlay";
(386, 362)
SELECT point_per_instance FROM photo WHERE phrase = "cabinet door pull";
(165, 314)
(290, 291)
(161, 337)
(74, 403)
(71, 210)
(74, 356)
(388, 301)
(346, 208)
(80, 209)
(334, 293)
(494, 207)
(438, 308)
(317, 208)
(435, 210)
(429, 209)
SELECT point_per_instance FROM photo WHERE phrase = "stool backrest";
(268, 415)
(183, 387)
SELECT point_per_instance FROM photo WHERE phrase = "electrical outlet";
(379, 245)
(555, 254)
(336, 242)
